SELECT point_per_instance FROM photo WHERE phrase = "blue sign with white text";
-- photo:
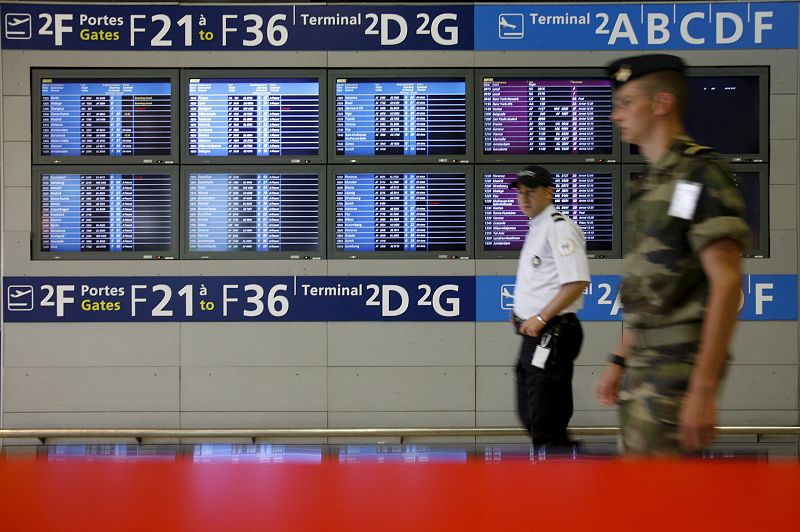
(673, 26)
(236, 27)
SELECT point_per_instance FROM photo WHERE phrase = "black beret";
(532, 176)
(629, 68)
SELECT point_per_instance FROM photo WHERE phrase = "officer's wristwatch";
(616, 359)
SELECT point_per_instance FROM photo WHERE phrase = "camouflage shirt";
(663, 280)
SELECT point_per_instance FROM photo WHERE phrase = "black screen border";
(401, 73)
(244, 73)
(762, 73)
(251, 255)
(530, 73)
(36, 212)
(615, 252)
(83, 74)
(762, 169)
(467, 170)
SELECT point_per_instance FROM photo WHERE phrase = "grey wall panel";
(758, 418)
(91, 344)
(401, 389)
(449, 59)
(599, 339)
(91, 389)
(253, 389)
(253, 344)
(17, 208)
(17, 164)
(783, 207)
(254, 267)
(496, 344)
(764, 342)
(783, 116)
(251, 420)
(401, 267)
(495, 388)
(400, 419)
(401, 344)
(783, 166)
(254, 59)
(496, 267)
(87, 420)
(760, 388)
(782, 254)
(16, 118)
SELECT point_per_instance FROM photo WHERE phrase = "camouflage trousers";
(651, 396)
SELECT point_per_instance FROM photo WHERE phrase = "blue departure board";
(254, 117)
(253, 211)
(93, 118)
(380, 212)
(587, 196)
(401, 117)
(106, 213)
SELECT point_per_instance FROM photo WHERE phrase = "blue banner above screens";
(401, 116)
(254, 116)
(421, 212)
(555, 115)
(738, 100)
(253, 212)
(104, 116)
(84, 212)
(589, 195)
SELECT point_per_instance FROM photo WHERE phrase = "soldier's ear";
(663, 103)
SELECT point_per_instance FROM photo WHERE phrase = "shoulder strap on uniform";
(691, 149)
(558, 217)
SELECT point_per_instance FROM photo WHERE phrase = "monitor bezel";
(763, 75)
(544, 73)
(762, 251)
(36, 213)
(614, 252)
(100, 74)
(467, 253)
(402, 74)
(266, 74)
(187, 254)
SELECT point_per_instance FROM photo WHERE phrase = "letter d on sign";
(386, 293)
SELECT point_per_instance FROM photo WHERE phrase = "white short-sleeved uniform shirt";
(554, 254)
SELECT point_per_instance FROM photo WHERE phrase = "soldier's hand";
(697, 420)
(606, 389)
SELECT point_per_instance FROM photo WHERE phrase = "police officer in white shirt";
(551, 276)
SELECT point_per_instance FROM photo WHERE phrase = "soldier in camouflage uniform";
(681, 272)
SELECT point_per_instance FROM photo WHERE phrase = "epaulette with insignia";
(558, 217)
(692, 149)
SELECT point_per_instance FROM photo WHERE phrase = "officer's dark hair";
(669, 81)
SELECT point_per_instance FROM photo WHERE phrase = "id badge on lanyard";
(542, 352)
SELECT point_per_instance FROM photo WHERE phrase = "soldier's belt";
(670, 335)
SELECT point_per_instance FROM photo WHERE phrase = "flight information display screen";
(253, 211)
(106, 117)
(527, 116)
(401, 117)
(254, 117)
(422, 211)
(587, 197)
(106, 212)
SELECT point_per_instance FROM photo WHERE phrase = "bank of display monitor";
(400, 116)
(394, 212)
(588, 194)
(104, 116)
(552, 115)
(100, 212)
(253, 212)
(753, 183)
(728, 110)
(253, 116)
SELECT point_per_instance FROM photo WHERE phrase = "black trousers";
(544, 396)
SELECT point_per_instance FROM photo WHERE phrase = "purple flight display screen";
(586, 197)
(547, 116)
